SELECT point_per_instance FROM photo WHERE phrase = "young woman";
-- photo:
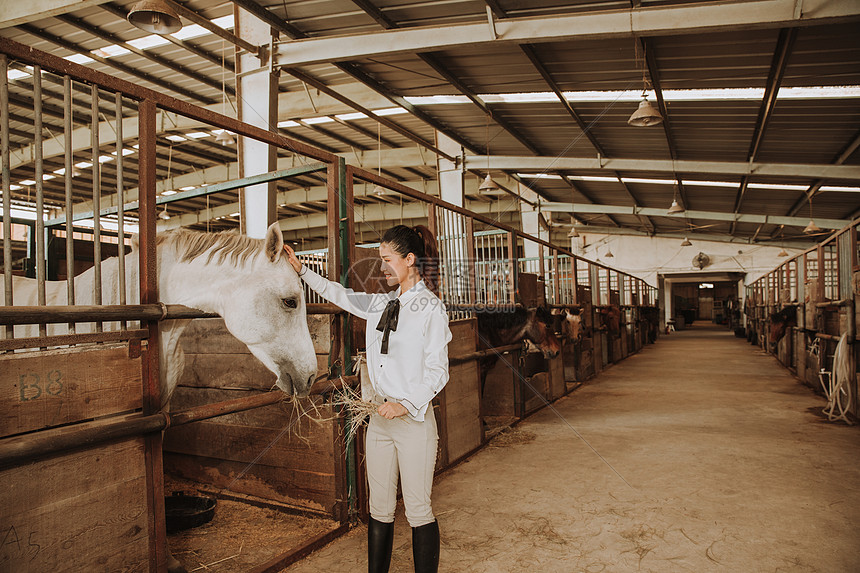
(407, 358)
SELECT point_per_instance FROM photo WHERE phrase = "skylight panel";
(288, 123)
(111, 51)
(198, 134)
(148, 42)
(79, 59)
(175, 137)
(389, 111)
(17, 74)
(316, 120)
(351, 116)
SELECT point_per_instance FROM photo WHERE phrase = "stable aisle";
(700, 453)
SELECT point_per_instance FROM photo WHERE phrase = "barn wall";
(86, 510)
(272, 452)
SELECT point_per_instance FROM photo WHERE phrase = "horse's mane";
(221, 246)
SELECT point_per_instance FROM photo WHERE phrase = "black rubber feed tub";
(184, 510)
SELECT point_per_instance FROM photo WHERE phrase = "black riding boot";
(425, 548)
(380, 540)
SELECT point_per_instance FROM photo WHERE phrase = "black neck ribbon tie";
(388, 322)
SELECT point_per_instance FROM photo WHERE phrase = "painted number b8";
(31, 385)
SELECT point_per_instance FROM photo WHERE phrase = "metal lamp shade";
(646, 115)
(488, 184)
(224, 138)
(782, 253)
(686, 243)
(155, 16)
(811, 228)
(573, 233)
(675, 208)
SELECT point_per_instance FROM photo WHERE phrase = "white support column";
(530, 216)
(257, 94)
(668, 301)
(451, 185)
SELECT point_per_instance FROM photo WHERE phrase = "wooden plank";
(84, 511)
(463, 409)
(462, 337)
(498, 398)
(54, 387)
(226, 370)
(556, 374)
(535, 391)
(277, 448)
(312, 490)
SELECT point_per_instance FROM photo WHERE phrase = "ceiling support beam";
(784, 45)
(147, 55)
(15, 12)
(706, 215)
(206, 55)
(656, 83)
(651, 21)
(840, 158)
(606, 166)
(531, 54)
(110, 62)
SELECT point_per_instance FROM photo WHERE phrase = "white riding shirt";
(416, 367)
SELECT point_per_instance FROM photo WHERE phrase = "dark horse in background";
(510, 326)
(780, 322)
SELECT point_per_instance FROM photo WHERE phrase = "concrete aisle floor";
(702, 454)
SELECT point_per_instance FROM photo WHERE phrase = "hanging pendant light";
(224, 138)
(488, 184)
(379, 191)
(155, 17)
(609, 254)
(573, 233)
(675, 207)
(686, 242)
(782, 253)
(645, 115)
(164, 215)
(811, 228)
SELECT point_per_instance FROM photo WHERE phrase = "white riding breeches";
(406, 448)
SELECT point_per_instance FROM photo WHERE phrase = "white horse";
(246, 281)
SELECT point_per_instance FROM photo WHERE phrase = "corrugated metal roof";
(808, 131)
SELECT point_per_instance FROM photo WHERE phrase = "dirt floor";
(700, 453)
(240, 536)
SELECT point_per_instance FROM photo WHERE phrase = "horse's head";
(267, 312)
(571, 323)
(780, 322)
(539, 331)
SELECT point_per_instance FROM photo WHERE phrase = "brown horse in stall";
(503, 327)
(780, 322)
(611, 315)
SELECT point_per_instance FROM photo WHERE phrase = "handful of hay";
(358, 410)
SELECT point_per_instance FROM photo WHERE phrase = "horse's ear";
(274, 242)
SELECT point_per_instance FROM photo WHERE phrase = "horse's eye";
(290, 302)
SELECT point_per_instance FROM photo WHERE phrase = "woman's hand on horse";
(392, 410)
(292, 258)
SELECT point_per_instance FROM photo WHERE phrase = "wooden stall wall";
(85, 510)
(274, 452)
(458, 406)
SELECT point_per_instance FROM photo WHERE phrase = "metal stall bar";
(150, 360)
(68, 111)
(7, 192)
(120, 193)
(40, 192)
(97, 194)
